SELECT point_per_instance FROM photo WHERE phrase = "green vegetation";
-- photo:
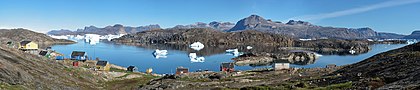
(11, 87)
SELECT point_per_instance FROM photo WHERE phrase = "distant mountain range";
(297, 29)
(413, 35)
(116, 29)
(302, 29)
(220, 26)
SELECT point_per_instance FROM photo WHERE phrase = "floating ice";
(197, 46)
(352, 51)
(194, 58)
(92, 38)
(248, 47)
(59, 37)
(234, 52)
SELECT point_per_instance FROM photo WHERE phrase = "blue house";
(78, 55)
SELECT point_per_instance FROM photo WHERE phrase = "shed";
(281, 66)
(103, 65)
(181, 70)
(59, 58)
(331, 66)
(28, 45)
(78, 55)
(227, 67)
(132, 68)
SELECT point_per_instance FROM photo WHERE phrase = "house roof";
(43, 53)
(102, 63)
(181, 69)
(24, 42)
(227, 65)
(78, 53)
(131, 67)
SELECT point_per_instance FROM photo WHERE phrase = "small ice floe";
(411, 41)
(234, 52)
(248, 47)
(194, 58)
(197, 46)
(317, 55)
(352, 51)
(160, 53)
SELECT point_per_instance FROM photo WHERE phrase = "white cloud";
(386, 4)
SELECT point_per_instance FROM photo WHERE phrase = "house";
(28, 45)
(59, 58)
(281, 66)
(131, 68)
(78, 55)
(331, 66)
(103, 65)
(181, 70)
(227, 67)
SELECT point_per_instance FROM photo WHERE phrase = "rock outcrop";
(220, 26)
(17, 35)
(395, 69)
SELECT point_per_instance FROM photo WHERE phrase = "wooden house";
(28, 45)
(227, 67)
(181, 70)
(78, 55)
(281, 66)
(103, 66)
(131, 68)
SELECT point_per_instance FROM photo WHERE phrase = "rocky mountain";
(302, 29)
(17, 35)
(114, 30)
(220, 26)
(413, 35)
(395, 69)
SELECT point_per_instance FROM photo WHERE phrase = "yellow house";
(103, 65)
(28, 45)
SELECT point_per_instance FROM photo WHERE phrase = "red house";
(227, 67)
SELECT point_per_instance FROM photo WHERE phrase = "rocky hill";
(17, 35)
(19, 70)
(302, 29)
(395, 69)
(114, 30)
(220, 26)
(413, 35)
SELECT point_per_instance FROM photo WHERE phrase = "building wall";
(279, 66)
(30, 45)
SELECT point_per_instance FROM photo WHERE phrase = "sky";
(396, 16)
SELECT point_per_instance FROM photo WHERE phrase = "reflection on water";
(208, 58)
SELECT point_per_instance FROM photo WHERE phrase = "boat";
(248, 47)
(232, 50)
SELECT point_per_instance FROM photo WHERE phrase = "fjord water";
(143, 58)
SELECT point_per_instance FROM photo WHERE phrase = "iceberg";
(59, 37)
(92, 39)
(248, 47)
(234, 52)
(160, 52)
(194, 58)
(197, 46)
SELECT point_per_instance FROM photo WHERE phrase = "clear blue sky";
(399, 16)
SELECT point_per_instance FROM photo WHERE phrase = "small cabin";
(59, 58)
(78, 55)
(103, 65)
(181, 70)
(227, 67)
(281, 66)
(331, 66)
(28, 45)
(131, 68)
(10, 44)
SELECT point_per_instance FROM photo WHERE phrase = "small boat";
(232, 50)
